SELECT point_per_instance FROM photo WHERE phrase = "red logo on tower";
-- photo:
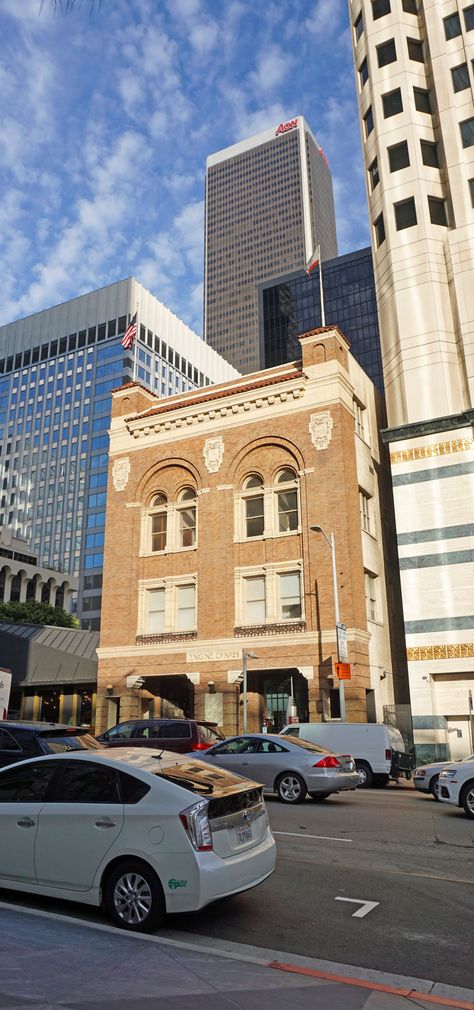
(284, 127)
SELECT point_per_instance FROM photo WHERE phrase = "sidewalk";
(47, 961)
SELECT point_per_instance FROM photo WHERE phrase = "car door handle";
(105, 822)
(26, 822)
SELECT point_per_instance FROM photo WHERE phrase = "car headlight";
(448, 774)
(419, 772)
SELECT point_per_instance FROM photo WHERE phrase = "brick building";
(209, 551)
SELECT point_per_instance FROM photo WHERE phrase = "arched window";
(186, 510)
(287, 500)
(158, 516)
(254, 506)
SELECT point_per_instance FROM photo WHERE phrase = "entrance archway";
(174, 696)
(274, 690)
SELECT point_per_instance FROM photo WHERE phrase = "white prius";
(140, 832)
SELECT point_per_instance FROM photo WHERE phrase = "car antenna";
(158, 756)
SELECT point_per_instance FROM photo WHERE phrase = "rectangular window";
(471, 190)
(405, 214)
(409, 6)
(187, 527)
(290, 596)
(254, 516)
(363, 73)
(386, 53)
(379, 229)
(374, 174)
(469, 18)
(460, 76)
(371, 596)
(467, 132)
(287, 511)
(359, 418)
(368, 122)
(429, 153)
(365, 506)
(255, 605)
(158, 532)
(156, 611)
(398, 156)
(452, 26)
(438, 213)
(186, 607)
(415, 50)
(358, 26)
(422, 100)
(380, 8)
(392, 103)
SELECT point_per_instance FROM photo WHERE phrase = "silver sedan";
(291, 768)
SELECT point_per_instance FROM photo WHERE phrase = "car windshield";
(58, 743)
(306, 745)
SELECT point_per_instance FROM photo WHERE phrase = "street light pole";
(332, 546)
(245, 656)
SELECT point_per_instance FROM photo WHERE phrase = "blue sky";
(107, 121)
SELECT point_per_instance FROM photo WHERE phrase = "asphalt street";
(412, 858)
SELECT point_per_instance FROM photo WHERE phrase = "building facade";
(218, 490)
(57, 369)
(291, 305)
(22, 579)
(415, 78)
(269, 202)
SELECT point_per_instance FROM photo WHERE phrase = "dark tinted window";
(240, 745)
(379, 228)
(363, 73)
(469, 18)
(175, 730)
(422, 100)
(392, 103)
(452, 26)
(122, 732)
(386, 53)
(359, 26)
(132, 789)
(409, 6)
(398, 156)
(415, 50)
(471, 190)
(369, 121)
(374, 174)
(467, 132)
(26, 783)
(379, 8)
(438, 213)
(429, 153)
(87, 782)
(460, 76)
(405, 214)
(270, 747)
(7, 742)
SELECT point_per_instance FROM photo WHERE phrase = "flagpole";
(321, 290)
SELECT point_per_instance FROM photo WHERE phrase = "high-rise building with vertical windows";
(414, 63)
(269, 203)
(57, 368)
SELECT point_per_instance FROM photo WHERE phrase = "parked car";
(290, 768)
(456, 785)
(378, 750)
(426, 777)
(178, 735)
(141, 833)
(21, 740)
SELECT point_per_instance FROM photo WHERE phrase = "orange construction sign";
(343, 671)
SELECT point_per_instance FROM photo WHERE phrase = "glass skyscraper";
(57, 369)
(291, 305)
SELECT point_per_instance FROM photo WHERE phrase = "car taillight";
(195, 822)
(328, 762)
(388, 754)
(200, 746)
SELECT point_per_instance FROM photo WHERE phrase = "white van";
(379, 751)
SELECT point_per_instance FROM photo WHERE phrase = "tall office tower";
(269, 202)
(415, 78)
(57, 369)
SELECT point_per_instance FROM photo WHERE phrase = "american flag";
(130, 333)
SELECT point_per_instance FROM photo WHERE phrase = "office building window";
(359, 419)
(371, 596)
(386, 53)
(156, 611)
(409, 6)
(380, 8)
(422, 100)
(363, 73)
(471, 190)
(392, 103)
(379, 229)
(405, 214)
(255, 601)
(429, 153)
(467, 132)
(368, 122)
(460, 76)
(415, 50)
(366, 511)
(452, 26)
(289, 596)
(374, 174)
(167, 608)
(398, 156)
(358, 26)
(273, 595)
(186, 607)
(438, 213)
(469, 18)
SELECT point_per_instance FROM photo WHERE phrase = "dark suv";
(22, 740)
(181, 735)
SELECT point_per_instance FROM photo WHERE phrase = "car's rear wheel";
(434, 787)
(133, 897)
(467, 799)
(366, 774)
(319, 796)
(291, 788)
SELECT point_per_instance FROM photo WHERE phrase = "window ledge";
(167, 636)
(282, 628)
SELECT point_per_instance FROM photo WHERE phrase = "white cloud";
(325, 18)
(273, 64)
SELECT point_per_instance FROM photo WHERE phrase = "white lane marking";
(368, 906)
(298, 834)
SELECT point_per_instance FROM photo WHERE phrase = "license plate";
(244, 834)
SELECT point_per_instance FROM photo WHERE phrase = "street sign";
(5, 685)
(343, 671)
(341, 634)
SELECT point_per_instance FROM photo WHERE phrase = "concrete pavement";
(51, 961)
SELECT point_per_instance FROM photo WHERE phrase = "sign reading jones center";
(284, 127)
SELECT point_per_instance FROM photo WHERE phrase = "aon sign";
(284, 127)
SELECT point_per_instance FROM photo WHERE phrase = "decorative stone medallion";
(320, 427)
(213, 452)
(120, 473)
